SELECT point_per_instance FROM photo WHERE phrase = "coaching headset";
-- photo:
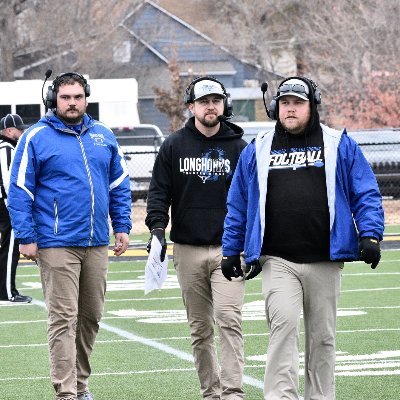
(314, 93)
(189, 94)
(51, 97)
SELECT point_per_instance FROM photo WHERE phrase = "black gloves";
(231, 268)
(252, 270)
(159, 233)
(370, 251)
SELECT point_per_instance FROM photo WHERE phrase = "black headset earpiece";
(272, 112)
(189, 94)
(51, 96)
(312, 86)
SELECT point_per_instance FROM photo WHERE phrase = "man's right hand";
(231, 267)
(159, 233)
(29, 251)
(370, 251)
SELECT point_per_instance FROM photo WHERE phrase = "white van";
(112, 101)
(251, 128)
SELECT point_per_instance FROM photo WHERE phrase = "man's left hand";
(252, 270)
(121, 243)
(370, 251)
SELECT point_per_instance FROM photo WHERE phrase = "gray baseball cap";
(206, 87)
(294, 87)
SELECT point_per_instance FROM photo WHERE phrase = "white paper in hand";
(156, 270)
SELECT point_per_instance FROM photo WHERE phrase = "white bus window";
(30, 113)
(93, 110)
(4, 110)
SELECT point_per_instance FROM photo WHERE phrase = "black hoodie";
(192, 174)
(296, 209)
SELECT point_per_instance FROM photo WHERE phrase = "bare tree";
(80, 35)
(342, 45)
(9, 11)
(170, 102)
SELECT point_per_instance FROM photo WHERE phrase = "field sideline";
(143, 349)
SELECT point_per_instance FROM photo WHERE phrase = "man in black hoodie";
(192, 175)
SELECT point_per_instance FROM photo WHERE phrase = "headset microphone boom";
(264, 88)
(47, 76)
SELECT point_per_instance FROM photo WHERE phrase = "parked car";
(381, 148)
(140, 145)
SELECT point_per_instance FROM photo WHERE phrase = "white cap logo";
(206, 87)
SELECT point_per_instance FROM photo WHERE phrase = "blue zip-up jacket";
(64, 185)
(354, 199)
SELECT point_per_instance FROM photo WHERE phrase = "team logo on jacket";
(98, 139)
(296, 158)
(209, 167)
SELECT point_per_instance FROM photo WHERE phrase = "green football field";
(143, 349)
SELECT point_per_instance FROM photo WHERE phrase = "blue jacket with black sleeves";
(354, 200)
(65, 184)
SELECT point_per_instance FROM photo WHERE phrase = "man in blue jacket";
(302, 201)
(68, 175)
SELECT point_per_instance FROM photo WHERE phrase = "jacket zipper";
(55, 217)
(91, 189)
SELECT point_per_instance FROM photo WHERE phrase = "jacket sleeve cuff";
(121, 229)
(371, 235)
(228, 253)
(158, 225)
(28, 240)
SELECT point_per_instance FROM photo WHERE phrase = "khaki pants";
(74, 285)
(288, 289)
(209, 297)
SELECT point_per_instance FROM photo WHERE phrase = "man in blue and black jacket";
(302, 201)
(68, 175)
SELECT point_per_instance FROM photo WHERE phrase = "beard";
(209, 123)
(294, 129)
(71, 120)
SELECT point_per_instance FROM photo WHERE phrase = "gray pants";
(74, 286)
(209, 297)
(288, 289)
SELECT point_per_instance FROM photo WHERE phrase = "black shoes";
(85, 396)
(20, 298)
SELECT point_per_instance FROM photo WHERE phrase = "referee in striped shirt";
(12, 127)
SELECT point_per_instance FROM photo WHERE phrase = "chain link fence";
(381, 149)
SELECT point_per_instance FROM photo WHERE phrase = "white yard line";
(370, 289)
(159, 346)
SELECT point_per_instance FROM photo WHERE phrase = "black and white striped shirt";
(7, 148)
